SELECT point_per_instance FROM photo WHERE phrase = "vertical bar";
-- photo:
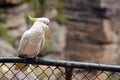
(68, 73)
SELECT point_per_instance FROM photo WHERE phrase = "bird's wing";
(42, 43)
(23, 42)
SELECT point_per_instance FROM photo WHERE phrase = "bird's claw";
(36, 59)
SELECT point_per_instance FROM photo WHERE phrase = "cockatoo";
(32, 40)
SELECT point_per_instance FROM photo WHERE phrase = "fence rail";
(43, 69)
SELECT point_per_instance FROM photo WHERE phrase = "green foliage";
(42, 6)
(2, 18)
(59, 75)
(41, 77)
(4, 34)
(34, 2)
(39, 6)
(60, 6)
(60, 17)
(114, 76)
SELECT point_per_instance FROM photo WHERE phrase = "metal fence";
(43, 69)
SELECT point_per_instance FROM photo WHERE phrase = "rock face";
(89, 37)
(15, 20)
(58, 36)
(113, 11)
(6, 49)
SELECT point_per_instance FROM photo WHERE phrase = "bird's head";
(43, 20)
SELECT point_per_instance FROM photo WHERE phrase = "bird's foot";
(23, 57)
(36, 59)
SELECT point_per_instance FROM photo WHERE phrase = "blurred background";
(80, 30)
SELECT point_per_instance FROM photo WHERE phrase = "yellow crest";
(31, 18)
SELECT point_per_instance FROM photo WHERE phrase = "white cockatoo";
(32, 40)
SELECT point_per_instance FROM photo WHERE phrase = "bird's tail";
(21, 67)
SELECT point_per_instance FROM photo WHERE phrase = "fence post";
(68, 73)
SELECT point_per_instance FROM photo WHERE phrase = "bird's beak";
(31, 18)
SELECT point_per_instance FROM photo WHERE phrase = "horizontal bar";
(61, 63)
